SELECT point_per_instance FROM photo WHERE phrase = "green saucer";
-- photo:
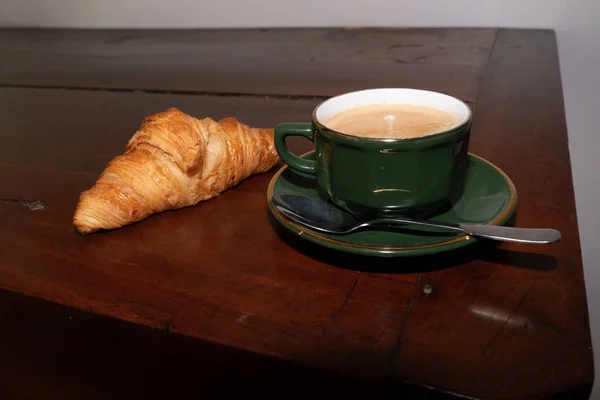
(489, 197)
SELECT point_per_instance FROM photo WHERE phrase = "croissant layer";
(174, 160)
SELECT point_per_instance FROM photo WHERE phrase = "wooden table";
(216, 299)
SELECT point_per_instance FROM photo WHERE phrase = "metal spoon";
(327, 218)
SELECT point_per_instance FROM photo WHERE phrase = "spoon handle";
(494, 232)
(511, 234)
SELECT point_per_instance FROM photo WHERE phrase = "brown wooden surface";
(217, 296)
(313, 62)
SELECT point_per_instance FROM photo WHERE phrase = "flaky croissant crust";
(174, 160)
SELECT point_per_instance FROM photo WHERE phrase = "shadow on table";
(486, 251)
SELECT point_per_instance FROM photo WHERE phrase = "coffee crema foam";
(395, 121)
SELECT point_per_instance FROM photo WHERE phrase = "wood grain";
(308, 62)
(82, 130)
(130, 361)
(219, 294)
(179, 270)
(499, 330)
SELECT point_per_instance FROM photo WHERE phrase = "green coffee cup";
(372, 175)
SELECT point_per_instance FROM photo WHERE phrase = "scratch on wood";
(399, 46)
(416, 60)
(508, 318)
(350, 292)
(31, 205)
(169, 323)
(214, 312)
(397, 347)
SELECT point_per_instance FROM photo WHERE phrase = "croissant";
(174, 160)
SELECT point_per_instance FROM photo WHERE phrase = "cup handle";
(296, 163)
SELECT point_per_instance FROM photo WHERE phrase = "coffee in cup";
(395, 121)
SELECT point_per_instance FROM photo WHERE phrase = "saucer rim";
(453, 243)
